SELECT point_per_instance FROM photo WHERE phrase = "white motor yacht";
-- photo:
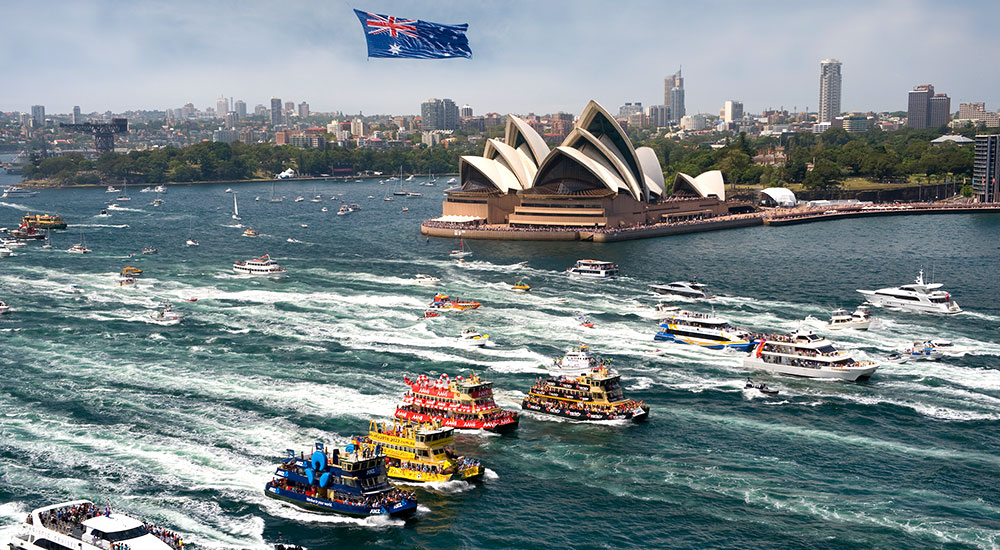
(262, 267)
(424, 279)
(687, 289)
(916, 296)
(111, 189)
(861, 319)
(191, 242)
(473, 337)
(78, 248)
(807, 355)
(82, 525)
(577, 361)
(594, 269)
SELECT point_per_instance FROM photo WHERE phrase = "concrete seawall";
(819, 217)
(572, 235)
(670, 230)
(505, 235)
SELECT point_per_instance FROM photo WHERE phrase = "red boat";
(431, 314)
(465, 403)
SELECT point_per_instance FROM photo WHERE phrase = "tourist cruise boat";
(445, 302)
(917, 296)
(805, 354)
(465, 403)
(352, 483)
(14, 191)
(82, 525)
(705, 330)
(43, 221)
(594, 268)
(593, 395)
(861, 319)
(421, 452)
(687, 289)
(263, 267)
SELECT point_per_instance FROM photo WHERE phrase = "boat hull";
(882, 300)
(505, 424)
(404, 509)
(832, 373)
(739, 345)
(471, 474)
(856, 325)
(638, 415)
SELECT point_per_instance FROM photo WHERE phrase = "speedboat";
(917, 296)
(12, 243)
(324, 209)
(594, 269)
(299, 198)
(146, 189)
(150, 250)
(263, 266)
(82, 525)
(462, 250)
(424, 279)
(104, 214)
(473, 337)
(521, 286)
(861, 319)
(428, 314)
(4, 308)
(705, 330)
(808, 355)
(445, 302)
(249, 232)
(165, 315)
(229, 190)
(923, 351)
(192, 242)
(687, 289)
(5, 252)
(157, 201)
(127, 280)
(111, 189)
(761, 387)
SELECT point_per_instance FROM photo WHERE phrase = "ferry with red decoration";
(445, 302)
(464, 403)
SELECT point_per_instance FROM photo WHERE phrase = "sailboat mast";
(236, 209)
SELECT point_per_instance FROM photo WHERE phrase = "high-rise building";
(358, 127)
(658, 116)
(986, 169)
(76, 115)
(940, 111)
(732, 111)
(439, 114)
(918, 107)
(629, 109)
(38, 115)
(466, 110)
(289, 108)
(231, 119)
(221, 107)
(829, 90)
(260, 110)
(187, 111)
(977, 112)
(303, 109)
(240, 107)
(673, 95)
(276, 114)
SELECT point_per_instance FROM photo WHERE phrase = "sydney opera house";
(594, 179)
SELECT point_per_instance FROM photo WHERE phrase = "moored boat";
(445, 302)
(592, 395)
(808, 355)
(465, 403)
(421, 452)
(351, 483)
(43, 221)
(82, 525)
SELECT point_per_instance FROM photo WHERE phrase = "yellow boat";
(43, 221)
(131, 271)
(521, 286)
(421, 452)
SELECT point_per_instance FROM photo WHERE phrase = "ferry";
(351, 483)
(806, 354)
(26, 233)
(593, 395)
(14, 191)
(594, 268)
(861, 319)
(465, 403)
(445, 302)
(263, 266)
(82, 525)
(687, 289)
(917, 296)
(43, 221)
(521, 286)
(701, 329)
(421, 452)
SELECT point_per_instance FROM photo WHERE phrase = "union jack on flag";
(391, 36)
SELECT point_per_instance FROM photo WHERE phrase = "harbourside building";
(986, 168)
(595, 178)
(829, 90)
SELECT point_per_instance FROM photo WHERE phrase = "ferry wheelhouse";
(43, 221)
(445, 302)
(594, 395)
(594, 268)
(352, 483)
(421, 452)
(808, 355)
(263, 267)
(701, 329)
(82, 525)
(465, 403)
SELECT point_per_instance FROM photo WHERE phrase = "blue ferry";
(352, 483)
(707, 331)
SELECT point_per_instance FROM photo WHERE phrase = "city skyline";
(158, 56)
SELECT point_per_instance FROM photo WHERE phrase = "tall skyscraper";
(925, 109)
(221, 107)
(466, 110)
(76, 115)
(732, 111)
(240, 107)
(940, 111)
(673, 95)
(829, 90)
(276, 114)
(986, 168)
(439, 114)
(289, 107)
(38, 115)
(303, 109)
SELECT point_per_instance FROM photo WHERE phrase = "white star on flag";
(395, 49)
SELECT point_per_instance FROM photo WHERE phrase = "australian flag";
(390, 36)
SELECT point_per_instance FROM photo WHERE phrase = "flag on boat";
(391, 36)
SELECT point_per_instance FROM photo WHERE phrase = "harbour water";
(183, 424)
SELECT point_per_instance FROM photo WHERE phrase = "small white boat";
(594, 269)
(160, 189)
(4, 252)
(450, 180)
(165, 315)
(111, 189)
(473, 337)
(145, 189)
(861, 319)
(923, 351)
(229, 190)
(4, 308)
(424, 279)
(157, 201)
(687, 289)
(344, 210)
(299, 198)
(80, 247)
(127, 281)
(192, 242)
(413, 194)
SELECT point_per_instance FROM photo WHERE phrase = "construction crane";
(104, 132)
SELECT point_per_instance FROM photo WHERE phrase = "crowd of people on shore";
(696, 220)
(799, 212)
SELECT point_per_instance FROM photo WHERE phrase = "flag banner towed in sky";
(390, 36)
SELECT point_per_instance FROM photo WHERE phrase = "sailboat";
(462, 251)
(400, 191)
(273, 198)
(80, 247)
(236, 208)
(124, 196)
(48, 239)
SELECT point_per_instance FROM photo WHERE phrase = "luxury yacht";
(861, 319)
(807, 355)
(916, 296)
(688, 289)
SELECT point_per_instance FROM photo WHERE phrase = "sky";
(528, 56)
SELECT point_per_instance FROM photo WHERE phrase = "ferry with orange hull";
(464, 403)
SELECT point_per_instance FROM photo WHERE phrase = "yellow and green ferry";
(421, 452)
(43, 221)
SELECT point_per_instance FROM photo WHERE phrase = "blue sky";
(541, 56)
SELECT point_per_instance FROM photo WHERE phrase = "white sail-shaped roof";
(596, 120)
(587, 143)
(604, 176)
(523, 137)
(516, 161)
(494, 172)
(705, 185)
(651, 170)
